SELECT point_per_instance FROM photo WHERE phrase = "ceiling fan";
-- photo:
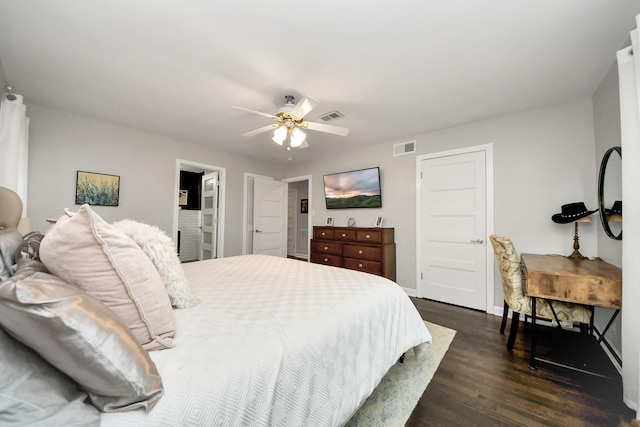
(290, 122)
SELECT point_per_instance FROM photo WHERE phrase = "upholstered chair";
(516, 300)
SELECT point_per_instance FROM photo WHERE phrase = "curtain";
(629, 78)
(14, 147)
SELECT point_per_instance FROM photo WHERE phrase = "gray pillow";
(81, 337)
(9, 242)
(34, 393)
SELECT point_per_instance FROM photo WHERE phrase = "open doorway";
(190, 214)
(298, 222)
(299, 217)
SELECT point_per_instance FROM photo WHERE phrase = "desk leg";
(613, 317)
(532, 363)
(603, 340)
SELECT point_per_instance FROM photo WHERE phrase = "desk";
(590, 282)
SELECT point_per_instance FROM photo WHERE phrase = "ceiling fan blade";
(304, 106)
(321, 127)
(304, 144)
(254, 112)
(261, 130)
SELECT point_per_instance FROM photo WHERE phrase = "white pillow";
(87, 252)
(160, 249)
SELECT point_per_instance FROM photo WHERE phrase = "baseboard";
(410, 292)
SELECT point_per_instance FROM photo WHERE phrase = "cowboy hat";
(615, 209)
(571, 212)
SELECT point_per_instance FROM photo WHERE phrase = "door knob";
(258, 231)
(479, 241)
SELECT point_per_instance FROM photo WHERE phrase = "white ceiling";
(395, 69)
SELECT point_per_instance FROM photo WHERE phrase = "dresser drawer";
(345, 235)
(334, 260)
(372, 267)
(324, 247)
(322, 233)
(372, 236)
(362, 252)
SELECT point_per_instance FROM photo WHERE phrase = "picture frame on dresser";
(378, 222)
(329, 221)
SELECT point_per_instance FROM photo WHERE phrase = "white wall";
(543, 159)
(3, 79)
(606, 112)
(61, 144)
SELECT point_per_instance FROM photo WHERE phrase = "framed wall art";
(97, 189)
(304, 205)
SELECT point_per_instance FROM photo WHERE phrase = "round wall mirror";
(610, 192)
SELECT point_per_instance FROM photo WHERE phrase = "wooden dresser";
(371, 250)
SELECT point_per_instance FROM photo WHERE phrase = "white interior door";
(209, 216)
(270, 217)
(453, 212)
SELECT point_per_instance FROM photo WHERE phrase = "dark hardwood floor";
(481, 383)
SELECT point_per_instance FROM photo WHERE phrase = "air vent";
(404, 148)
(331, 115)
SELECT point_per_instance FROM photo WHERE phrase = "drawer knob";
(368, 236)
(360, 252)
(360, 265)
(344, 235)
(323, 233)
(326, 260)
(326, 248)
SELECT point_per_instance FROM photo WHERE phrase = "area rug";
(392, 402)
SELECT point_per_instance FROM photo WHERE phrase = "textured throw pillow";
(34, 393)
(87, 252)
(30, 246)
(160, 249)
(81, 337)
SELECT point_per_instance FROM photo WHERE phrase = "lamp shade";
(24, 227)
(297, 137)
(279, 135)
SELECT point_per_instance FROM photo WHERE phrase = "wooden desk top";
(590, 281)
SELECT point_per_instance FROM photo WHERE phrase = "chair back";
(511, 273)
(10, 210)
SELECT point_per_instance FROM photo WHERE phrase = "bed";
(273, 342)
(279, 342)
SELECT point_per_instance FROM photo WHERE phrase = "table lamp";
(574, 212)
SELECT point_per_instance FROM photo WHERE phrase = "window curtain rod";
(8, 91)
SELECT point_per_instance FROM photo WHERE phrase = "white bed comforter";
(278, 342)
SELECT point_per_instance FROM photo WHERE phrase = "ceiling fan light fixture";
(297, 137)
(279, 135)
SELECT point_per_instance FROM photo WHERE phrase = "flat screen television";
(353, 189)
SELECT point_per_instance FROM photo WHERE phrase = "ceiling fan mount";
(290, 122)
